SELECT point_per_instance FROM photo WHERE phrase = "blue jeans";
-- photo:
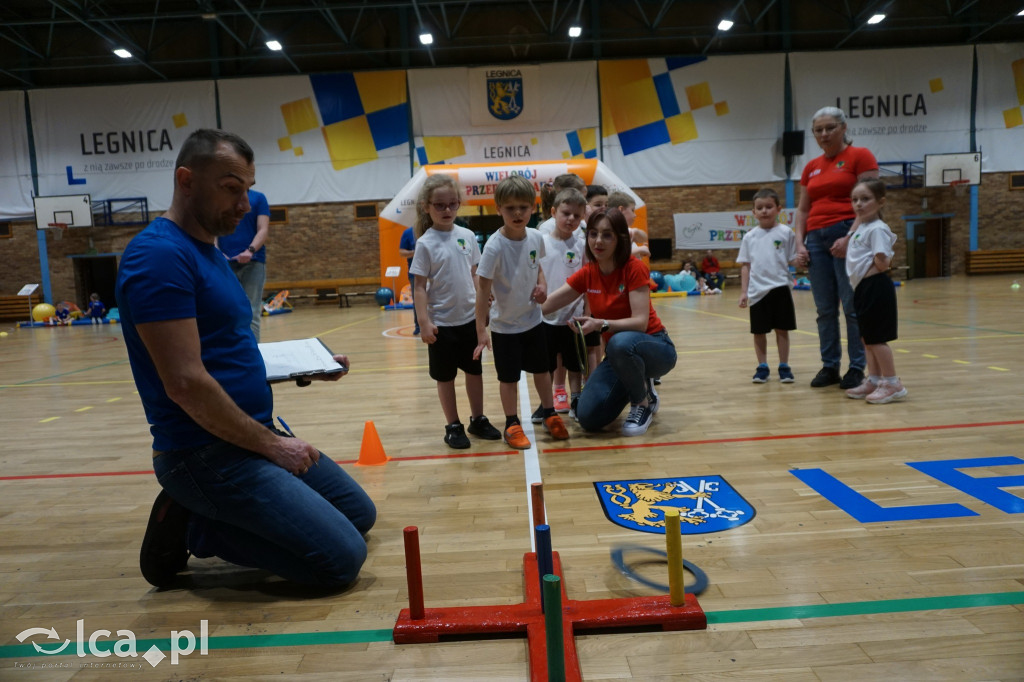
(631, 358)
(249, 511)
(252, 275)
(830, 285)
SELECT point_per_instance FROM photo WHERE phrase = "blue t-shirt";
(167, 275)
(234, 244)
(96, 309)
(408, 242)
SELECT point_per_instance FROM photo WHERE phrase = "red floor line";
(590, 448)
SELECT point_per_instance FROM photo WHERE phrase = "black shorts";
(774, 311)
(874, 299)
(452, 351)
(562, 339)
(517, 353)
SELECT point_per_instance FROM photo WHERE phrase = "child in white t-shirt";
(563, 256)
(510, 268)
(444, 265)
(765, 255)
(868, 256)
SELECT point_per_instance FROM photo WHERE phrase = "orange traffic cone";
(371, 452)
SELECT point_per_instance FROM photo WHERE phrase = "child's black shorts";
(562, 339)
(774, 311)
(517, 353)
(452, 351)
(874, 299)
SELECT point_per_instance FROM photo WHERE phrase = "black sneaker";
(455, 436)
(481, 427)
(826, 376)
(852, 379)
(573, 404)
(165, 546)
(638, 421)
(538, 416)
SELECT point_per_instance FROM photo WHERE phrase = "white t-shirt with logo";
(446, 258)
(562, 258)
(866, 241)
(513, 267)
(769, 253)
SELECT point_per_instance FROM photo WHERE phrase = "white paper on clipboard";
(298, 358)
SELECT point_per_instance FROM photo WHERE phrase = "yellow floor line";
(83, 409)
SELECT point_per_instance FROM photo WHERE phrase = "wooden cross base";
(599, 614)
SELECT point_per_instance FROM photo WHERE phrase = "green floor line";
(965, 601)
(74, 371)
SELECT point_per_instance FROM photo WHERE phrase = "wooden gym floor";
(804, 591)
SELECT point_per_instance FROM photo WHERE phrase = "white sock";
(875, 379)
(892, 381)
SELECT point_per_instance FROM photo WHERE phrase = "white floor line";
(530, 460)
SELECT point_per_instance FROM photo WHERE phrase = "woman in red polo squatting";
(637, 347)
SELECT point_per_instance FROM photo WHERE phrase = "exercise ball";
(43, 312)
(384, 296)
(659, 280)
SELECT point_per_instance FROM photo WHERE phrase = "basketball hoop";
(58, 230)
(959, 186)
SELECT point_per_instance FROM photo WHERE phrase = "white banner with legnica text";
(121, 142)
(899, 104)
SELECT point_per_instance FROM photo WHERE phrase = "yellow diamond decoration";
(681, 128)
(298, 151)
(935, 84)
(284, 143)
(349, 143)
(699, 95)
(180, 120)
(1013, 118)
(721, 108)
(299, 116)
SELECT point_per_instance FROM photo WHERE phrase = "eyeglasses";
(824, 129)
(453, 206)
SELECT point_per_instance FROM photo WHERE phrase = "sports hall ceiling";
(58, 43)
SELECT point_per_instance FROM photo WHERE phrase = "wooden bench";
(995, 261)
(18, 307)
(326, 289)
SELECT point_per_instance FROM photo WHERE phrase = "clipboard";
(298, 360)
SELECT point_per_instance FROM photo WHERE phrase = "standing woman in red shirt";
(823, 222)
(637, 347)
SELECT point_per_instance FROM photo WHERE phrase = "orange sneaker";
(515, 438)
(556, 428)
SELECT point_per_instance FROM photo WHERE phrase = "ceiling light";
(123, 53)
(274, 45)
(426, 38)
(876, 19)
(724, 25)
(1020, 13)
(209, 16)
(575, 31)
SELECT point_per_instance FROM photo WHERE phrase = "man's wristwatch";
(605, 326)
(251, 248)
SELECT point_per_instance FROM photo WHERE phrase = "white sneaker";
(638, 421)
(887, 393)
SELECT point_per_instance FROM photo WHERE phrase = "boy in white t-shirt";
(510, 268)
(765, 254)
(563, 255)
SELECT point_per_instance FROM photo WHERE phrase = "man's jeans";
(249, 511)
(829, 286)
(631, 358)
(252, 275)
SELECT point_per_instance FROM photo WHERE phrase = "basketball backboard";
(74, 210)
(942, 169)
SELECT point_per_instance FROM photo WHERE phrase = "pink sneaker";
(887, 393)
(561, 400)
(866, 388)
